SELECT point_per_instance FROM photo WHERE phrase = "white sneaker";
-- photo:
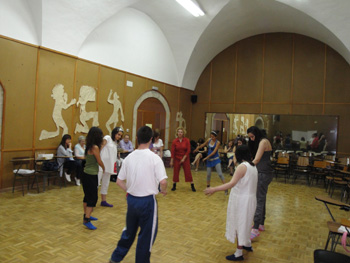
(77, 181)
(68, 177)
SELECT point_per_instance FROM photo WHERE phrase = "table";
(328, 200)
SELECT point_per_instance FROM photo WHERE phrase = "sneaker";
(111, 261)
(234, 258)
(77, 181)
(104, 203)
(89, 225)
(93, 218)
(261, 228)
(254, 233)
(67, 177)
(249, 249)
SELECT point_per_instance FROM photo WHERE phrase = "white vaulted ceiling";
(160, 40)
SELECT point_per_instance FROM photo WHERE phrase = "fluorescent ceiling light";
(191, 7)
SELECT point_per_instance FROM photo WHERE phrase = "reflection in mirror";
(287, 132)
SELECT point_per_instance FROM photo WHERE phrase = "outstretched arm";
(213, 152)
(239, 173)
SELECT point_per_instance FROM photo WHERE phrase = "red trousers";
(187, 169)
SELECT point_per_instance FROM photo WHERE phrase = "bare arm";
(161, 152)
(121, 184)
(202, 145)
(239, 173)
(213, 152)
(226, 149)
(163, 187)
(263, 146)
(96, 152)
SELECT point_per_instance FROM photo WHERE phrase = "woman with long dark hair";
(90, 176)
(65, 159)
(261, 150)
(202, 153)
(242, 202)
(213, 158)
(109, 157)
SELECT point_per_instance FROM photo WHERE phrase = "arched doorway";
(152, 109)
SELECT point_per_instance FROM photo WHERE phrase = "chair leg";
(14, 184)
(22, 179)
(328, 238)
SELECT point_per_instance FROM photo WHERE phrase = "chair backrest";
(320, 164)
(343, 160)
(325, 256)
(330, 157)
(303, 161)
(21, 162)
(283, 160)
(283, 154)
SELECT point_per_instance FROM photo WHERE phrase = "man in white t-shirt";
(141, 174)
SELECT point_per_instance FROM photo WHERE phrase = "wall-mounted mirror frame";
(229, 125)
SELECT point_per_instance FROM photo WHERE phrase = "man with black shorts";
(141, 173)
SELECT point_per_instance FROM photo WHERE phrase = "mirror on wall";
(294, 127)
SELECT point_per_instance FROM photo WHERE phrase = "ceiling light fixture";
(191, 7)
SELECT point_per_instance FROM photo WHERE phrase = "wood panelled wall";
(276, 73)
(28, 73)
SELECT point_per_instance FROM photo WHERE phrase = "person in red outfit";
(180, 155)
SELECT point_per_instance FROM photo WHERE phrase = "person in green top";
(90, 176)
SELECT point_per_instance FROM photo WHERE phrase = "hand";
(204, 159)
(182, 160)
(171, 163)
(196, 150)
(209, 191)
(164, 193)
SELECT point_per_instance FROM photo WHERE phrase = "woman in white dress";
(242, 202)
(109, 157)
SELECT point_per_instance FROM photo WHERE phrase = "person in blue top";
(213, 158)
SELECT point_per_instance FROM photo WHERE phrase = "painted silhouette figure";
(60, 98)
(181, 120)
(117, 107)
(246, 124)
(235, 127)
(241, 127)
(87, 94)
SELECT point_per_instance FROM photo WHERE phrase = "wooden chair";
(21, 172)
(302, 168)
(41, 162)
(318, 171)
(282, 167)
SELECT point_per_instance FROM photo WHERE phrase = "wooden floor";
(47, 227)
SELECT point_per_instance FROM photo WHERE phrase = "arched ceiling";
(162, 41)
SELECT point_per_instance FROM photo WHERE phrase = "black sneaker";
(234, 258)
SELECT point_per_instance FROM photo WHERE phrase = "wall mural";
(117, 107)
(60, 97)
(181, 120)
(87, 94)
